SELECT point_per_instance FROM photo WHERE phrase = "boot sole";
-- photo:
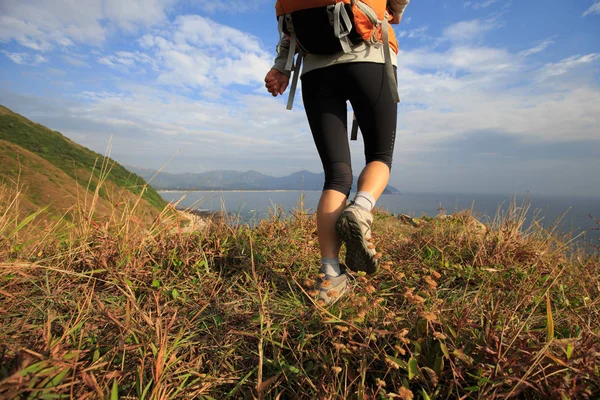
(358, 257)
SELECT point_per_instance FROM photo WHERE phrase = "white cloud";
(537, 49)
(476, 5)
(459, 59)
(480, 59)
(594, 9)
(24, 58)
(414, 33)
(199, 52)
(127, 59)
(467, 88)
(76, 61)
(230, 6)
(216, 133)
(44, 24)
(130, 14)
(564, 66)
(469, 31)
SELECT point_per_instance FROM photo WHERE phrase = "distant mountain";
(236, 180)
(57, 173)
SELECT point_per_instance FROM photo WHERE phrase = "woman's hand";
(396, 19)
(397, 7)
(276, 82)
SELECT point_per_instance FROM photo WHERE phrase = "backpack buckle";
(331, 13)
(289, 23)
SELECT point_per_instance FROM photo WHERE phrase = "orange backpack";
(331, 26)
(350, 19)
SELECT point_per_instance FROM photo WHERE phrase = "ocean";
(570, 214)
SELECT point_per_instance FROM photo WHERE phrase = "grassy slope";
(455, 312)
(75, 160)
(43, 184)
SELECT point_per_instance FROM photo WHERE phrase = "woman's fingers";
(271, 75)
(276, 82)
(284, 80)
(283, 86)
(273, 89)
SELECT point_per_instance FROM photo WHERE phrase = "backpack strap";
(294, 68)
(342, 25)
(354, 134)
(287, 18)
(280, 30)
(296, 73)
(389, 67)
(385, 26)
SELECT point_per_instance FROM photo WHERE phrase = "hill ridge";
(50, 164)
(236, 180)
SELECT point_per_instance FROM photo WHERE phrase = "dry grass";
(457, 310)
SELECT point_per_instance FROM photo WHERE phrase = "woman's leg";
(374, 178)
(325, 104)
(331, 205)
(376, 113)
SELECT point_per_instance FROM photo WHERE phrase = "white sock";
(365, 200)
(331, 266)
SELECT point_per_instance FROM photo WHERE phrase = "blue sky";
(497, 96)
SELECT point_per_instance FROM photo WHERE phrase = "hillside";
(45, 185)
(237, 180)
(54, 171)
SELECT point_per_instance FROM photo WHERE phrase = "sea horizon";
(570, 213)
(400, 193)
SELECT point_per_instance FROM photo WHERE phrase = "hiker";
(343, 62)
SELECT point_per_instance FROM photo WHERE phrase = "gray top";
(361, 52)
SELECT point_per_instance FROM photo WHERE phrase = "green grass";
(457, 310)
(69, 156)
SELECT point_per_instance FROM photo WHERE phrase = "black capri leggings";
(324, 92)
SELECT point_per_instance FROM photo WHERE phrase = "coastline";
(235, 190)
(570, 214)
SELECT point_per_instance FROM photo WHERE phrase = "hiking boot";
(354, 228)
(331, 288)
